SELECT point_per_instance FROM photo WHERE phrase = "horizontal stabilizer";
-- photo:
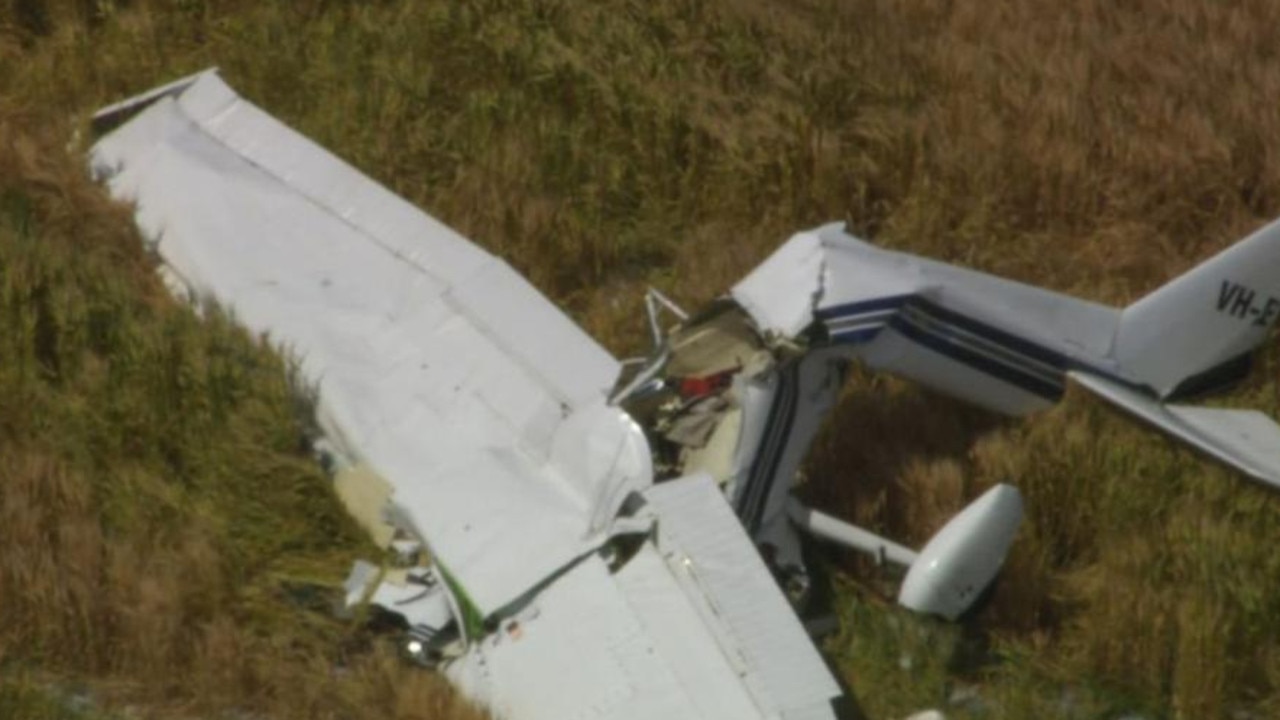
(1247, 440)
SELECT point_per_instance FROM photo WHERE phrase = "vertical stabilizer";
(1194, 334)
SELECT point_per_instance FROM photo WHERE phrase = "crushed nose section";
(964, 557)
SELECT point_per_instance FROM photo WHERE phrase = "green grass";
(1093, 147)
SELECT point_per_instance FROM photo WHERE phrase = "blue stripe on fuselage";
(1000, 337)
(858, 335)
(1011, 374)
(998, 353)
(859, 322)
(852, 309)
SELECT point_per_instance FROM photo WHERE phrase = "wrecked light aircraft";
(581, 539)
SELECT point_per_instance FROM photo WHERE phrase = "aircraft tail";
(1195, 334)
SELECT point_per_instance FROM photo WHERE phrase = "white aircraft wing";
(442, 372)
(692, 626)
(437, 365)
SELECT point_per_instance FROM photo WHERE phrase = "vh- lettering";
(1243, 301)
(1229, 290)
(1238, 301)
(1268, 312)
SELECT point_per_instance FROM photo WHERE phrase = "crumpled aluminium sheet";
(437, 365)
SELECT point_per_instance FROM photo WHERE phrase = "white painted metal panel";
(785, 666)
(437, 365)
(858, 271)
(896, 353)
(646, 642)
(855, 271)
(1217, 311)
(684, 638)
(781, 293)
(578, 652)
(495, 297)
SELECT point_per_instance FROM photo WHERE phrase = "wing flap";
(695, 522)
(578, 651)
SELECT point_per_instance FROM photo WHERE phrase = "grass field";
(166, 535)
